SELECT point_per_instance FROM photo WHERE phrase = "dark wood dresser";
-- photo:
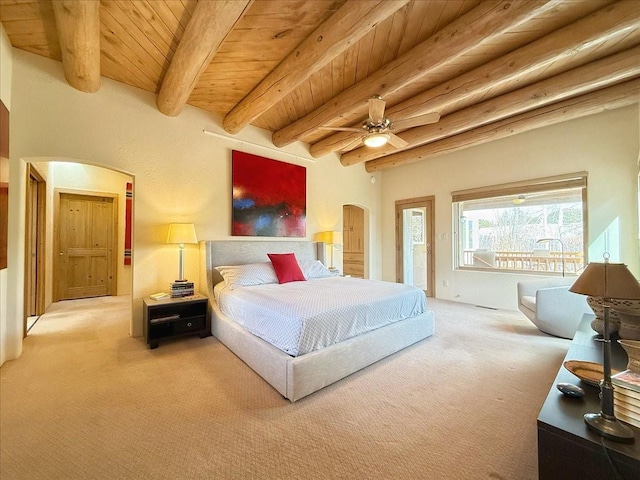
(566, 448)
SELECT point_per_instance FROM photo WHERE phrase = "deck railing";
(529, 261)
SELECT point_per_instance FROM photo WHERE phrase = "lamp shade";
(182, 233)
(330, 238)
(607, 280)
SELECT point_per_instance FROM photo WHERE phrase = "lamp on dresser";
(607, 280)
(182, 233)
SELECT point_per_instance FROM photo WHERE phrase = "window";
(532, 226)
(417, 226)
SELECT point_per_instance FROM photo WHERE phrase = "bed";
(299, 374)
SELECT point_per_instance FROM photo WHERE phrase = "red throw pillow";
(286, 267)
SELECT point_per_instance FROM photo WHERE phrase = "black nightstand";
(174, 317)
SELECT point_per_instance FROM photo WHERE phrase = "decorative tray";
(590, 373)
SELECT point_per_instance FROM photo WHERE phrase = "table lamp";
(181, 233)
(331, 239)
(607, 280)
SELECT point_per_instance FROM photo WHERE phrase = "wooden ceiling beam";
(611, 23)
(78, 25)
(209, 25)
(485, 23)
(333, 143)
(343, 29)
(593, 76)
(618, 96)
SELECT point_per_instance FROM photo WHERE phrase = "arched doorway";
(42, 233)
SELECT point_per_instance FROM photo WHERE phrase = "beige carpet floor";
(86, 401)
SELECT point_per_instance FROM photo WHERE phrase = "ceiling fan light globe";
(375, 140)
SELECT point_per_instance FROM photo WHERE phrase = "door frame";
(56, 235)
(428, 203)
(41, 221)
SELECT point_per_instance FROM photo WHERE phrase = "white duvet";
(300, 317)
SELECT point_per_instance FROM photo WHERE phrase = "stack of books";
(181, 289)
(626, 397)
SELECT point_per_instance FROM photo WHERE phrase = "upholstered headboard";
(237, 252)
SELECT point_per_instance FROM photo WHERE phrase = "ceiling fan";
(377, 129)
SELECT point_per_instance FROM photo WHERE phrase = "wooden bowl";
(590, 373)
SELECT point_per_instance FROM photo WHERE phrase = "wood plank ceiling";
(489, 68)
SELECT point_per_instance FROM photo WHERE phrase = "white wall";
(180, 174)
(10, 333)
(605, 145)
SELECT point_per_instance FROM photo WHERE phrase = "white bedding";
(300, 317)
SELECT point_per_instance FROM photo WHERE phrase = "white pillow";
(314, 269)
(248, 274)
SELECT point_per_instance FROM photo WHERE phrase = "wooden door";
(86, 246)
(35, 244)
(32, 248)
(353, 241)
(415, 243)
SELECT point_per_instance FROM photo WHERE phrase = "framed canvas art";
(269, 197)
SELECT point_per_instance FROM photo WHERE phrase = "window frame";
(524, 187)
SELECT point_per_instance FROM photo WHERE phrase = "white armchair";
(549, 304)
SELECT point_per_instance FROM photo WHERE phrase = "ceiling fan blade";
(415, 121)
(357, 142)
(376, 109)
(396, 141)
(342, 129)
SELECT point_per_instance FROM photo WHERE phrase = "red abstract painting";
(128, 219)
(269, 197)
(4, 184)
